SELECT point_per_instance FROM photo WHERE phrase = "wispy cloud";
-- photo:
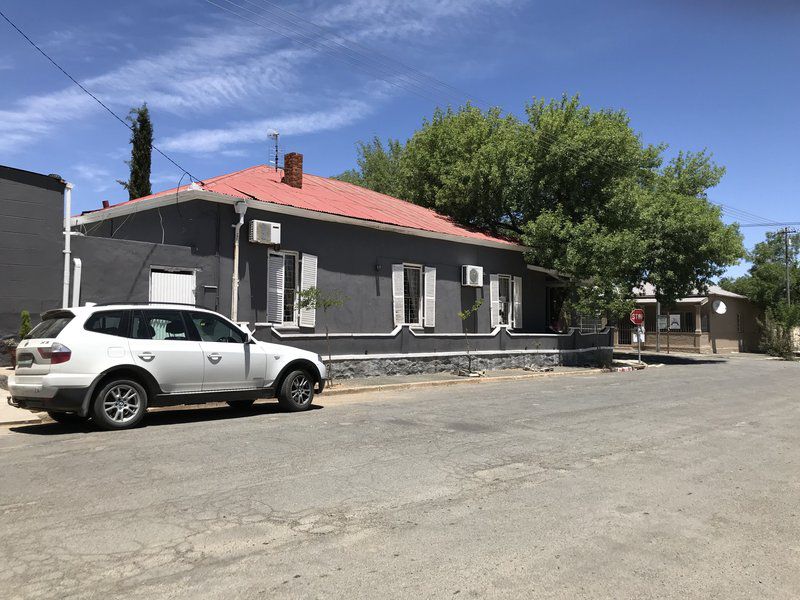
(94, 176)
(213, 140)
(205, 72)
(208, 72)
(379, 19)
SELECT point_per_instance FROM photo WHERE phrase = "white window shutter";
(494, 299)
(398, 297)
(517, 291)
(308, 280)
(430, 297)
(275, 270)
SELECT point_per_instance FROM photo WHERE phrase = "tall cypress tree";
(138, 183)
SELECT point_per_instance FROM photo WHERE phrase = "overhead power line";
(745, 215)
(743, 218)
(86, 91)
(352, 46)
(316, 44)
(789, 224)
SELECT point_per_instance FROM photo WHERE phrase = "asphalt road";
(676, 482)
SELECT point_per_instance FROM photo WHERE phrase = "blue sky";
(714, 74)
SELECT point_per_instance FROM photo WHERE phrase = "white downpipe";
(67, 242)
(240, 208)
(76, 282)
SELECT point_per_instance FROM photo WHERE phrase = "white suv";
(111, 362)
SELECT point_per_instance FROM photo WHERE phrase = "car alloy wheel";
(297, 391)
(300, 389)
(121, 403)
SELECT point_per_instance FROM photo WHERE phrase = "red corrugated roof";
(333, 197)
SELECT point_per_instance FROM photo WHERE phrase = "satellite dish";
(719, 307)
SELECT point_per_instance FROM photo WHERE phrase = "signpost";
(637, 318)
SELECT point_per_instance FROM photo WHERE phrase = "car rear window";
(49, 328)
(110, 322)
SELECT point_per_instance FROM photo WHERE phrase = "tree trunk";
(330, 356)
(469, 356)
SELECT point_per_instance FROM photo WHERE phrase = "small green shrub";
(24, 324)
(778, 326)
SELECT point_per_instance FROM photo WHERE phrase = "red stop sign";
(637, 316)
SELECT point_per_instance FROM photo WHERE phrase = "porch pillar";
(698, 327)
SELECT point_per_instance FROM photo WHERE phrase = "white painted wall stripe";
(476, 353)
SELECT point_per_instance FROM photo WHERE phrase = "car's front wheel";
(119, 404)
(297, 391)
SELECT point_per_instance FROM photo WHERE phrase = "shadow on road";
(176, 416)
(672, 359)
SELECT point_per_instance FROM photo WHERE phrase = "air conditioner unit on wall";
(472, 276)
(264, 232)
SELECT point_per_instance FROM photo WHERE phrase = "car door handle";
(147, 356)
(214, 357)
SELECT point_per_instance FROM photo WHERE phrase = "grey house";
(404, 271)
(31, 245)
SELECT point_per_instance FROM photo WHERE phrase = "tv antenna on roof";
(274, 135)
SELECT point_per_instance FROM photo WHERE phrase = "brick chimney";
(293, 169)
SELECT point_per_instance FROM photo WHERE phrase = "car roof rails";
(148, 303)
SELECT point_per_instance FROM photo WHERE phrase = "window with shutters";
(505, 295)
(288, 273)
(291, 285)
(412, 294)
(505, 299)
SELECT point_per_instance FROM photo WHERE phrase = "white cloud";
(229, 67)
(206, 72)
(96, 177)
(381, 19)
(217, 139)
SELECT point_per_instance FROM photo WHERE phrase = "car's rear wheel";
(119, 404)
(66, 418)
(297, 391)
(240, 404)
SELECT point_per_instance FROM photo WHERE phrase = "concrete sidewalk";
(398, 382)
(15, 416)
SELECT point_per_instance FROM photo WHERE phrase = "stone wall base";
(374, 367)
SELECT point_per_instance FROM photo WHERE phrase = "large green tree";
(765, 281)
(765, 284)
(578, 186)
(138, 183)
(378, 166)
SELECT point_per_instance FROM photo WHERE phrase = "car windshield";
(49, 328)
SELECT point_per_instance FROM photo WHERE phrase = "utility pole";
(786, 232)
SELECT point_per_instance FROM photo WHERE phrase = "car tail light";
(56, 354)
